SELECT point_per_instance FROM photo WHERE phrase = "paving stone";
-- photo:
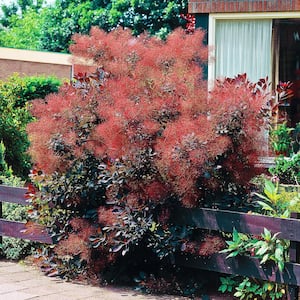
(18, 296)
(19, 276)
(20, 282)
(9, 287)
(49, 297)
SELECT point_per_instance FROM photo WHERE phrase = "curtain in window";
(243, 46)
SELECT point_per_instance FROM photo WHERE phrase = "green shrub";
(287, 169)
(248, 288)
(15, 92)
(281, 139)
(12, 248)
(285, 140)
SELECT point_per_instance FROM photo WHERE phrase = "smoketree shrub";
(15, 94)
(117, 149)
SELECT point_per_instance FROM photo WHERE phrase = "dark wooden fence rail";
(18, 229)
(225, 221)
(211, 219)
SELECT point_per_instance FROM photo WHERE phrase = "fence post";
(294, 254)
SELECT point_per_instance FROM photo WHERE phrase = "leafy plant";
(128, 230)
(227, 284)
(118, 148)
(12, 248)
(281, 139)
(247, 288)
(296, 138)
(67, 18)
(23, 31)
(287, 169)
(276, 201)
(267, 247)
(282, 99)
(15, 93)
(5, 171)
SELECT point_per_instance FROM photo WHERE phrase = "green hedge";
(15, 93)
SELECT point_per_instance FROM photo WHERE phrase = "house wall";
(31, 63)
(219, 6)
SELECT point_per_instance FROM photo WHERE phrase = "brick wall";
(214, 6)
(31, 63)
(8, 67)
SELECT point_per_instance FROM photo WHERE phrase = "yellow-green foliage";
(279, 200)
(291, 194)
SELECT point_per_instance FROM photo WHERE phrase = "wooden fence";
(210, 219)
(225, 221)
(28, 231)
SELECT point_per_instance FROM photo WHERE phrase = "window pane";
(243, 46)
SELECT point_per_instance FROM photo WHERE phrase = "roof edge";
(36, 56)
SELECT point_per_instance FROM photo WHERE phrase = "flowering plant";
(122, 145)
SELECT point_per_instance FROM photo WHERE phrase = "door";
(289, 65)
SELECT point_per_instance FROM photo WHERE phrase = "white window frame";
(236, 16)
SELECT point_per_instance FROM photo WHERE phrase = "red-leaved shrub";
(142, 133)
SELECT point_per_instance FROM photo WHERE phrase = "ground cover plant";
(115, 150)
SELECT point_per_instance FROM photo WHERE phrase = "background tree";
(35, 5)
(23, 31)
(7, 11)
(157, 17)
(30, 24)
(18, 7)
(68, 17)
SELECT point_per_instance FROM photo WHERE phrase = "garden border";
(226, 221)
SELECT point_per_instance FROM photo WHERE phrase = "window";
(243, 46)
(259, 44)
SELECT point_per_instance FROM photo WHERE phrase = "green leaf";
(262, 250)
(273, 197)
(265, 206)
(262, 197)
(269, 187)
(233, 254)
(267, 234)
(280, 265)
(225, 250)
(238, 294)
(222, 288)
(265, 258)
(235, 235)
